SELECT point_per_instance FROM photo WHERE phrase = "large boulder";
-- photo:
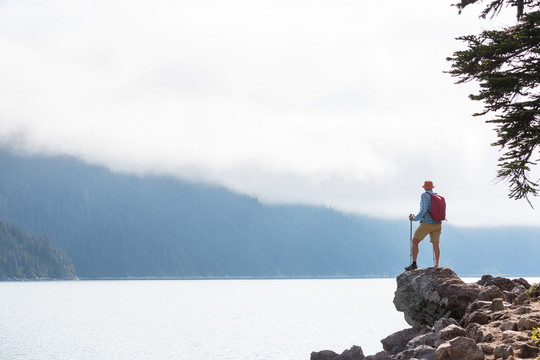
(510, 288)
(480, 333)
(423, 352)
(443, 323)
(450, 332)
(428, 339)
(460, 348)
(526, 323)
(354, 353)
(323, 355)
(397, 341)
(503, 284)
(427, 295)
(491, 292)
(381, 355)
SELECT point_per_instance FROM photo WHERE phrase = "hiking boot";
(411, 267)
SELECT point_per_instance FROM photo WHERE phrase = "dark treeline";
(118, 225)
(24, 257)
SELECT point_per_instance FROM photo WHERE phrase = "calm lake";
(194, 319)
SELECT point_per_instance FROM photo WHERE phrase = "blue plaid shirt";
(425, 206)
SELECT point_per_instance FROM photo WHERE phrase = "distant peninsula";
(24, 257)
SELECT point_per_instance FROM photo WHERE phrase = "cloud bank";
(341, 103)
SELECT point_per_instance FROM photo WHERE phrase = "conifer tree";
(506, 64)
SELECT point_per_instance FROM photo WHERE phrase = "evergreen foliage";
(495, 6)
(24, 257)
(506, 63)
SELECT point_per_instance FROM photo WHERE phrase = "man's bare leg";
(437, 252)
(414, 248)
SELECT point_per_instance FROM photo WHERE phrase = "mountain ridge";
(117, 225)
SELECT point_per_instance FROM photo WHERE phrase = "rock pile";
(453, 320)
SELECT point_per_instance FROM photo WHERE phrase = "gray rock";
(490, 293)
(442, 323)
(397, 342)
(514, 336)
(487, 349)
(449, 333)
(323, 355)
(423, 352)
(354, 353)
(497, 304)
(521, 281)
(479, 333)
(527, 324)
(378, 356)
(477, 317)
(511, 296)
(428, 339)
(522, 299)
(427, 295)
(459, 348)
(509, 325)
(503, 352)
(484, 280)
(525, 350)
(500, 282)
(523, 310)
(500, 315)
(478, 305)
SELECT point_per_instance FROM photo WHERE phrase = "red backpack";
(438, 207)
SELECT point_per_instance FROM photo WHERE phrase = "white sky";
(338, 102)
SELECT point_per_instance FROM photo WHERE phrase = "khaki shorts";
(434, 231)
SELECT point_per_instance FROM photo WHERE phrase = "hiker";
(428, 225)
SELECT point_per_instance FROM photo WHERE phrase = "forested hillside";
(120, 225)
(24, 257)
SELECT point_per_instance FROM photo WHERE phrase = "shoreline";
(536, 278)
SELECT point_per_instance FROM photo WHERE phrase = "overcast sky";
(339, 103)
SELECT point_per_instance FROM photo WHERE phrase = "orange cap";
(428, 185)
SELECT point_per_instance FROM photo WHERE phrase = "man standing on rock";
(427, 226)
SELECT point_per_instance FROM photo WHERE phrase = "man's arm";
(424, 205)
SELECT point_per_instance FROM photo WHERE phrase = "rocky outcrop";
(427, 295)
(453, 320)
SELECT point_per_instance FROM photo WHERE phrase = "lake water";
(194, 319)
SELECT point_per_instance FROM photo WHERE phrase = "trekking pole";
(410, 247)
